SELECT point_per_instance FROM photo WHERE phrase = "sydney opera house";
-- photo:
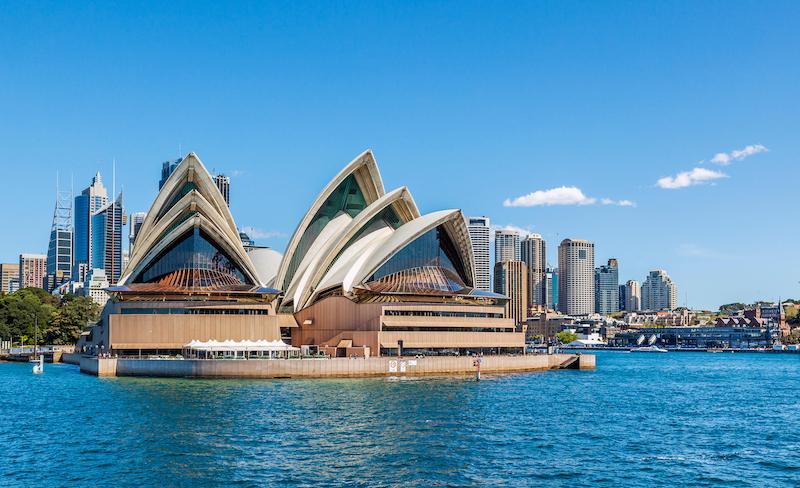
(364, 274)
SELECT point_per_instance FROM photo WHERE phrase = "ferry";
(648, 349)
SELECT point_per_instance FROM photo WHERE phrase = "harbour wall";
(331, 368)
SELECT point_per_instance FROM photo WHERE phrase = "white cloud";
(738, 154)
(255, 233)
(563, 195)
(689, 178)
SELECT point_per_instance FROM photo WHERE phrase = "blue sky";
(469, 104)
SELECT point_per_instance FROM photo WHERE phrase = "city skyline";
(617, 150)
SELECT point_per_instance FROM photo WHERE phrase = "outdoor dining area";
(261, 349)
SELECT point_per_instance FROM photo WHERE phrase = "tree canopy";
(61, 320)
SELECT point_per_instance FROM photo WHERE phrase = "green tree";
(566, 337)
(19, 310)
(70, 318)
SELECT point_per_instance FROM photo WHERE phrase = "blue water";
(690, 419)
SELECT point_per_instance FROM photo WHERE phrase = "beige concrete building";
(32, 270)
(511, 280)
(532, 253)
(576, 277)
(9, 277)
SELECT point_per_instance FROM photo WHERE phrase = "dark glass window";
(385, 218)
(432, 249)
(193, 261)
(348, 198)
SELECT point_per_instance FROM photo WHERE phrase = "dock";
(331, 368)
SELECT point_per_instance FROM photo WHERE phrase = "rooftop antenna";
(113, 178)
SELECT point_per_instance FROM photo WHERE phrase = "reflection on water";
(695, 419)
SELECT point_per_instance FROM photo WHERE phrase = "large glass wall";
(433, 249)
(193, 262)
(348, 198)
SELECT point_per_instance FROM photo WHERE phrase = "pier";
(331, 368)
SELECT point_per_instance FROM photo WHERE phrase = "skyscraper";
(659, 292)
(137, 219)
(576, 277)
(552, 288)
(532, 253)
(606, 288)
(92, 199)
(622, 297)
(633, 296)
(32, 270)
(510, 279)
(506, 245)
(107, 239)
(479, 235)
(167, 167)
(8, 272)
(224, 185)
(59, 251)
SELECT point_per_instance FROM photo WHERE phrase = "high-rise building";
(633, 296)
(95, 287)
(506, 245)
(247, 242)
(32, 270)
(621, 297)
(224, 185)
(136, 221)
(479, 229)
(576, 277)
(59, 251)
(107, 239)
(167, 167)
(532, 253)
(606, 288)
(510, 279)
(92, 199)
(552, 288)
(659, 292)
(8, 272)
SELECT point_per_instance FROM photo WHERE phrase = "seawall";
(331, 368)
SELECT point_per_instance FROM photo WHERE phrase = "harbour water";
(691, 419)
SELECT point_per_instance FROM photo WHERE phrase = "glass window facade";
(348, 198)
(435, 249)
(194, 262)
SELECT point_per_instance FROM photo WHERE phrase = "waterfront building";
(506, 245)
(633, 296)
(9, 277)
(189, 277)
(32, 270)
(107, 226)
(224, 186)
(366, 274)
(701, 337)
(95, 287)
(606, 288)
(59, 250)
(479, 229)
(552, 288)
(662, 318)
(546, 325)
(576, 277)
(659, 292)
(167, 167)
(136, 221)
(511, 280)
(532, 253)
(363, 274)
(88, 203)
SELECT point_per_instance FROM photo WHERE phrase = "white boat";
(38, 365)
(648, 349)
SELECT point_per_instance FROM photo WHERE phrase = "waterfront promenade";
(329, 368)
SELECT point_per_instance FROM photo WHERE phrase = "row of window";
(195, 311)
(428, 313)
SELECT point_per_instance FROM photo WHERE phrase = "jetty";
(389, 366)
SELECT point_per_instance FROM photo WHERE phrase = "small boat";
(648, 349)
(38, 365)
